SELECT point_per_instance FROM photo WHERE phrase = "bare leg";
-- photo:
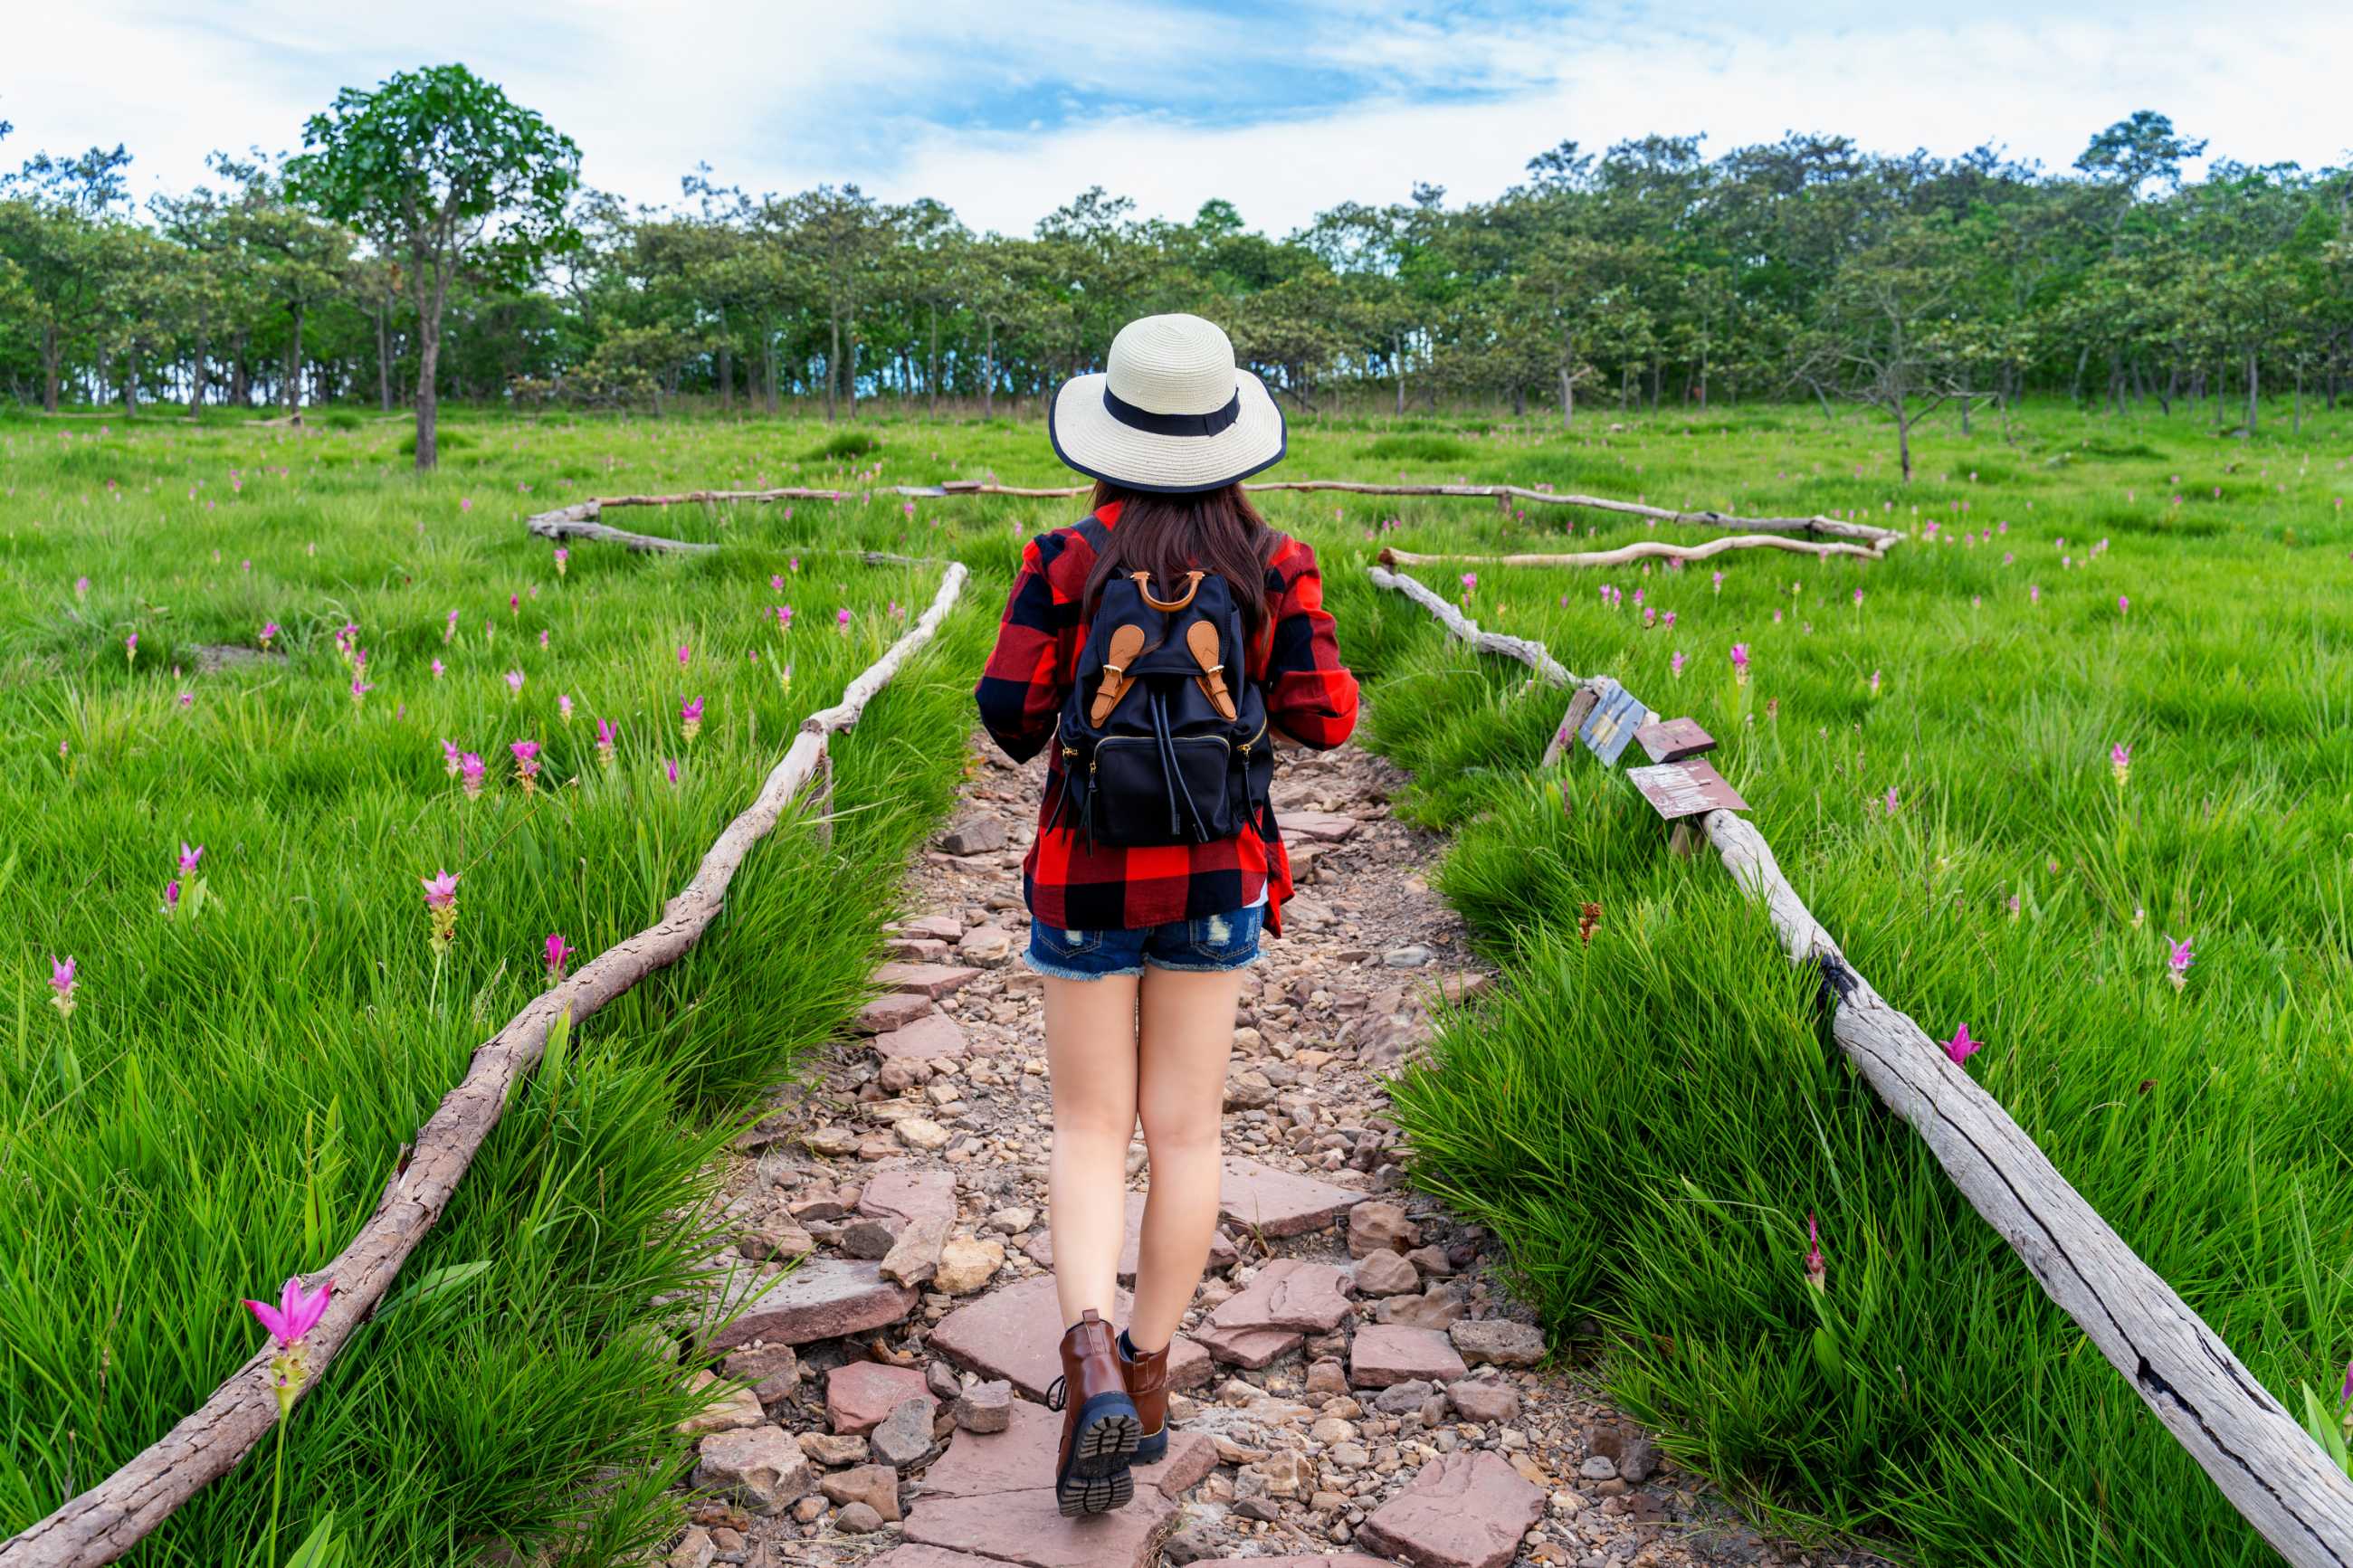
(1187, 1033)
(1090, 1063)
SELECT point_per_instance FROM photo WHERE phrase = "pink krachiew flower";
(1960, 1048)
(296, 1313)
(62, 980)
(558, 956)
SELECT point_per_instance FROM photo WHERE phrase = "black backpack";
(1164, 737)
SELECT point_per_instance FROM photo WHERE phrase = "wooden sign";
(1610, 728)
(1687, 788)
(1672, 739)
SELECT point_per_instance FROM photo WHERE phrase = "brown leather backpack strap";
(1126, 644)
(1201, 640)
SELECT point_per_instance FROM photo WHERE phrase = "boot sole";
(1098, 1479)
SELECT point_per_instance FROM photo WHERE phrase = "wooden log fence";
(1826, 535)
(2252, 1449)
(102, 1523)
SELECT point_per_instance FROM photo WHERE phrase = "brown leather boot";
(1099, 1424)
(1147, 1383)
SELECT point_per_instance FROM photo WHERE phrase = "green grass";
(1649, 1120)
(1645, 1121)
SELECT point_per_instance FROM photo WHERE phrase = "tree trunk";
(1904, 439)
(988, 374)
(197, 367)
(768, 367)
(833, 368)
(849, 387)
(2076, 386)
(931, 369)
(131, 384)
(293, 391)
(725, 372)
(2254, 389)
(428, 411)
(1965, 408)
(49, 356)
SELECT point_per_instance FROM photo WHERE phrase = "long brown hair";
(1166, 535)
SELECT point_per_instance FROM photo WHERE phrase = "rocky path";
(1357, 1390)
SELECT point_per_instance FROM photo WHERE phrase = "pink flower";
(842, 617)
(526, 756)
(450, 756)
(685, 655)
(440, 670)
(558, 956)
(515, 682)
(62, 981)
(472, 767)
(784, 618)
(562, 557)
(170, 897)
(1718, 581)
(690, 717)
(1676, 665)
(296, 1313)
(189, 856)
(1892, 802)
(440, 889)
(1960, 1048)
(2120, 762)
(1817, 1272)
(465, 503)
(1470, 584)
(605, 735)
(2177, 962)
(269, 633)
(360, 688)
(2124, 604)
(564, 707)
(670, 766)
(1740, 662)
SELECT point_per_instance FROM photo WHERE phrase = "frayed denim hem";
(1056, 972)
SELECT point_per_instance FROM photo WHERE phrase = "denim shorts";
(1208, 944)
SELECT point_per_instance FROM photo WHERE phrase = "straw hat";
(1168, 413)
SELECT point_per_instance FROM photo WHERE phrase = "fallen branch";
(104, 1522)
(2251, 1447)
(1531, 654)
(1817, 526)
(1653, 548)
(579, 521)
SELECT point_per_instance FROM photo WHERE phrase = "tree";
(444, 171)
(1887, 334)
(59, 230)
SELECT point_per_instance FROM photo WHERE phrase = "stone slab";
(859, 1394)
(1385, 1353)
(1325, 824)
(930, 1557)
(1013, 1332)
(1343, 1559)
(823, 1298)
(1465, 1510)
(1249, 1349)
(1027, 1528)
(909, 1192)
(931, 1036)
(1288, 1293)
(1256, 1197)
(1040, 1246)
(931, 980)
(895, 1011)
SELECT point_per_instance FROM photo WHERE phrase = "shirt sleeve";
(1310, 695)
(1034, 663)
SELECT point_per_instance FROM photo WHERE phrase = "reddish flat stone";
(981, 1465)
(1345, 1560)
(1317, 824)
(1040, 1246)
(930, 1557)
(1013, 1332)
(1249, 1349)
(933, 1035)
(1465, 1510)
(860, 1395)
(907, 1192)
(822, 1300)
(1385, 1353)
(1288, 1293)
(1279, 1203)
(892, 1011)
(931, 980)
(1025, 1527)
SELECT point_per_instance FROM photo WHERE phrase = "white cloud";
(778, 97)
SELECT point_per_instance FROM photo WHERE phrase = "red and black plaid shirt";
(1310, 697)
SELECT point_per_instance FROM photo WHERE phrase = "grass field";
(1646, 1120)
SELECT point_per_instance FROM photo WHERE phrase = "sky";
(1005, 110)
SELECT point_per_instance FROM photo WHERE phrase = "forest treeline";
(1647, 273)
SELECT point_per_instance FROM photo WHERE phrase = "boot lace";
(1058, 1393)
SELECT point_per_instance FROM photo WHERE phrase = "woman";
(1140, 927)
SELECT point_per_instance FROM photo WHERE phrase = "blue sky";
(1005, 110)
